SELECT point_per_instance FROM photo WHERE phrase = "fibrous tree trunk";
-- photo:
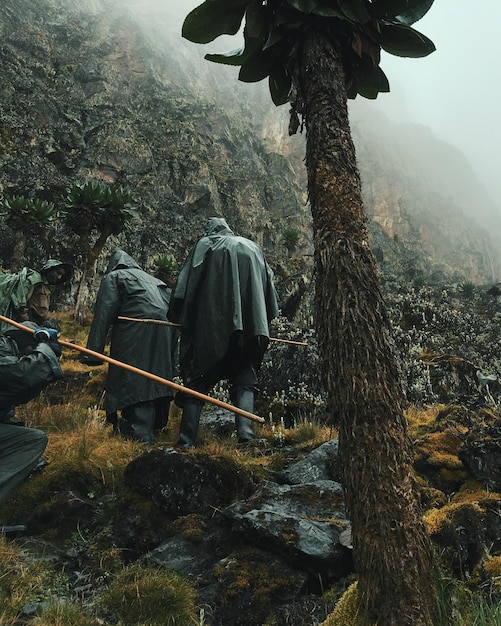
(392, 551)
(89, 273)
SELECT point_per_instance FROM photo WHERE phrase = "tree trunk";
(89, 272)
(392, 551)
(82, 299)
(18, 254)
(84, 289)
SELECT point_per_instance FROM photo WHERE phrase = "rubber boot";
(137, 422)
(190, 419)
(161, 412)
(244, 399)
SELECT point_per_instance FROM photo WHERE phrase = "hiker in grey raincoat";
(126, 290)
(27, 365)
(224, 299)
(26, 295)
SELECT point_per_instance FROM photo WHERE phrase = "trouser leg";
(190, 419)
(20, 450)
(243, 395)
(137, 422)
(161, 412)
(244, 399)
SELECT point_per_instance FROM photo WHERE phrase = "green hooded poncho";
(225, 286)
(15, 288)
(128, 291)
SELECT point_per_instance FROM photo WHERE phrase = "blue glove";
(46, 334)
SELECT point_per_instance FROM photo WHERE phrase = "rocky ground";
(259, 533)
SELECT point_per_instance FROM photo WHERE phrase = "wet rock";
(481, 454)
(301, 522)
(181, 483)
(315, 466)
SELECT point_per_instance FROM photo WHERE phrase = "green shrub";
(290, 238)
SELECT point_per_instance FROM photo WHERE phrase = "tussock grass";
(141, 594)
(23, 581)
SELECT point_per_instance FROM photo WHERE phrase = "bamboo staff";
(137, 370)
(147, 320)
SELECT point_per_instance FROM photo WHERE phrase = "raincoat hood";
(53, 263)
(120, 260)
(217, 226)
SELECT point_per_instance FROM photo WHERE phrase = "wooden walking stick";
(137, 370)
(164, 323)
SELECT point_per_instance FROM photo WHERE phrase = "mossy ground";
(88, 461)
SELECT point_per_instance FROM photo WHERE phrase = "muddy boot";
(189, 424)
(137, 422)
(244, 399)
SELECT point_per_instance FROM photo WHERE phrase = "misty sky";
(455, 91)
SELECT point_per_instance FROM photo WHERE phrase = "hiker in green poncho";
(29, 361)
(26, 295)
(126, 290)
(223, 300)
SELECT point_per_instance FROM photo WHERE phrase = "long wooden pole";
(164, 323)
(137, 370)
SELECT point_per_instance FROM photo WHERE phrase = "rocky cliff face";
(87, 94)
(91, 90)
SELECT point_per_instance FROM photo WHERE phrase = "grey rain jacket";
(22, 378)
(126, 290)
(225, 286)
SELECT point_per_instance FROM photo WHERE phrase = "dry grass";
(421, 420)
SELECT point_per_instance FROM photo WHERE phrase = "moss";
(474, 491)
(347, 612)
(492, 567)
(453, 478)
(190, 527)
(253, 573)
(440, 449)
(436, 457)
(432, 498)
(437, 520)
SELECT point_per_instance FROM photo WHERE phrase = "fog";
(455, 91)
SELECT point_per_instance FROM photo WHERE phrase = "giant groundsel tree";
(94, 212)
(316, 54)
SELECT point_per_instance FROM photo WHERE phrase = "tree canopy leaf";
(408, 11)
(280, 84)
(412, 15)
(404, 41)
(214, 18)
(259, 65)
(328, 10)
(232, 57)
(355, 10)
(305, 6)
(256, 19)
(371, 80)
